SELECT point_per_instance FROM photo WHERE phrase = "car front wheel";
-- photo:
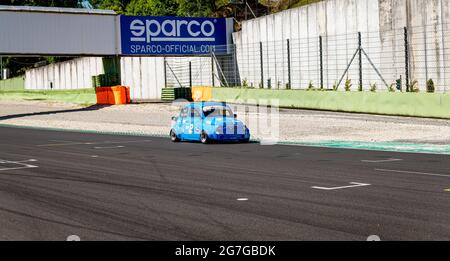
(173, 136)
(204, 138)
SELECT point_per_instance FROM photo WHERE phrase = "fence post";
(261, 60)
(165, 72)
(212, 70)
(289, 63)
(321, 60)
(360, 61)
(190, 74)
(405, 29)
(235, 80)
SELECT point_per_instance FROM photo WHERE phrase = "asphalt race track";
(106, 187)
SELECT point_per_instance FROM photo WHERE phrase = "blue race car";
(207, 122)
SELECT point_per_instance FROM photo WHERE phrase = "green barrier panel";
(16, 83)
(404, 104)
(111, 65)
(81, 96)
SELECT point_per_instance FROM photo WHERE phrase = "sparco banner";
(156, 35)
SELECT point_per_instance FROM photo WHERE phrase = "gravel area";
(293, 125)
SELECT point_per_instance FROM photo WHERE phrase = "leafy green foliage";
(335, 86)
(152, 7)
(52, 3)
(430, 86)
(348, 85)
(392, 87)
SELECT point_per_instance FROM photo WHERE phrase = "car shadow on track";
(218, 142)
(90, 108)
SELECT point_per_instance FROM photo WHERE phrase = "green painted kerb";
(79, 96)
(16, 83)
(377, 146)
(405, 104)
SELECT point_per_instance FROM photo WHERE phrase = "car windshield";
(217, 111)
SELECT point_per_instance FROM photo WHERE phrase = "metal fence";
(406, 59)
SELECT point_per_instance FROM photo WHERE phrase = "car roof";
(204, 104)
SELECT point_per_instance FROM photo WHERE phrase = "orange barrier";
(201, 93)
(113, 95)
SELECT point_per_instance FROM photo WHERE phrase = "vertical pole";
(360, 61)
(190, 74)
(406, 59)
(234, 60)
(321, 61)
(261, 61)
(212, 70)
(426, 54)
(165, 72)
(289, 63)
(245, 2)
(1, 67)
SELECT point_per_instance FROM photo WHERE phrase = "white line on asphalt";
(17, 162)
(65, 144)
(66, 141)
(91, 143)
(22, 164)
(124, 142)
(242, 199)
(112, 147)
(24, 167)
(380, 161)
(354, 185)
(413, 172)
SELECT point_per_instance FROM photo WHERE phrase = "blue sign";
(156, 35)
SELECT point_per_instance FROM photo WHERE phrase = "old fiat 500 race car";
(207, 122)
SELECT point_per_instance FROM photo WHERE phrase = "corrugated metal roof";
(41, 9)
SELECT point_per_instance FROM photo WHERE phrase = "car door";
(192, 124)
(181, 119)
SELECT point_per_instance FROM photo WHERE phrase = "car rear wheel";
(247, 140)
(204, 138)
(173, 136)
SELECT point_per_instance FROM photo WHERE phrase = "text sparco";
(172, 30)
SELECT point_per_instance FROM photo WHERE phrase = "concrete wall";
(73, 74)
(145, 75)
(338, 21)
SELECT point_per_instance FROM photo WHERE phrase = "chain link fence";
(414, 59)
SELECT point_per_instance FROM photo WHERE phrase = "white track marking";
(380, 161)
(71, 143)
(73, 238)
(242, 199)
(65, 144)
(21, 164)
(413, 172)
(113, 147)
(353, 185)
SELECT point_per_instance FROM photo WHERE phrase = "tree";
(52, 3)
(119, 6)
(204, 8)
(152, 7)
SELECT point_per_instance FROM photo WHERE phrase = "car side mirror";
(235, 115)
